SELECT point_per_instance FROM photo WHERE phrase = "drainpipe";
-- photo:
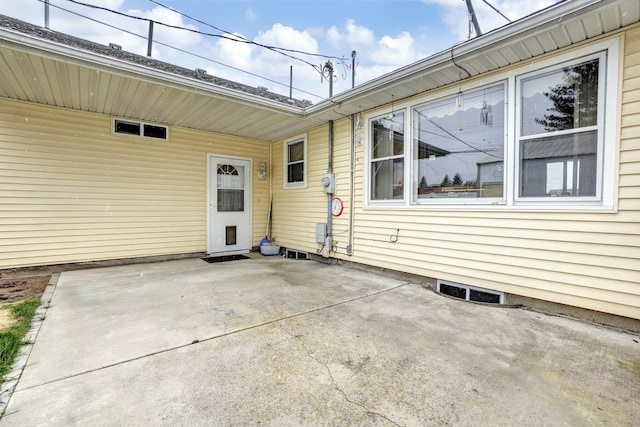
(328, 240)
(351, 184)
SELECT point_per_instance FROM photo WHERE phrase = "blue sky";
(387, 34)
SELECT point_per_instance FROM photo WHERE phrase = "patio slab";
(272, 341)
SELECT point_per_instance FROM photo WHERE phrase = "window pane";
(459, 145)
(559, 166)
(560, 100)
(388, 136)
(127, 127)
(295, 172)
(296, 152)
(155, 131)
(230, 200)
(230, 176)
(387, 179)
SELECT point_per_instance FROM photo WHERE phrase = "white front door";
(229, 205)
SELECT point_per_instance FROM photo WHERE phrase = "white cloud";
(353, 36)
(455, 15)
(250, 14)
(395, 51)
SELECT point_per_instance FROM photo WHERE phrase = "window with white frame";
(527, 138)
(295, 154)
(559, 142)
(387, 157)
(134, 128)
(458, 146)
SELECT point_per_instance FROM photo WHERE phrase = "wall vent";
(296, 254)
(469, 293)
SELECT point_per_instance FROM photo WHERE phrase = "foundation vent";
(469, 293)
(295, 254)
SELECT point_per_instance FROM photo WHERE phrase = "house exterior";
(507, 166)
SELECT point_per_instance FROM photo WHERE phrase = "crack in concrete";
(215, 337)
(333, 380)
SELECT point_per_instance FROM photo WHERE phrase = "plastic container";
(269, 249)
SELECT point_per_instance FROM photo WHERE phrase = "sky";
(386, 34)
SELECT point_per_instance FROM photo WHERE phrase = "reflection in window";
(459, 146)
(559, 166)
(387, 157)
(295, 162)
(558, 146)
(230, 188)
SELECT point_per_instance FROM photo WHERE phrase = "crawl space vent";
(470, 293)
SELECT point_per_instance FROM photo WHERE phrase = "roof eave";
(54, 50)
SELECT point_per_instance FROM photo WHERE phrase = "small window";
(152, 131)
(387, 157)
(295, 160)
(470, 293)
(129, 127)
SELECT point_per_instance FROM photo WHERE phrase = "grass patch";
(12, 338)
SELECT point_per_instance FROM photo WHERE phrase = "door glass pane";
(459, 145)
(562, 99)
(230, 188)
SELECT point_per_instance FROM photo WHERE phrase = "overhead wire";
(173, 47)
(496, 10)
(280, 50)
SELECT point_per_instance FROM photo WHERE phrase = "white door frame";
(211, 203)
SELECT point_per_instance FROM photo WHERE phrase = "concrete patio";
(273, 341)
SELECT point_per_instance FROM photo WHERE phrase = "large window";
(541, 136)
(458, 145)
(295, 153)
(560, 128)
(387, 157)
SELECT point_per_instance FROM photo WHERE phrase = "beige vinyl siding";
(71, 191)
(587, 259)
(296, 210)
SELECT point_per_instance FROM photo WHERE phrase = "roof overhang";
(35, 69)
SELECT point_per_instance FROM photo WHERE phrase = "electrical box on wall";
(321, 232)
(328, 182)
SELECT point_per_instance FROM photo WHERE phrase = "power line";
(496, 10)
(176, 48)
(276, 49)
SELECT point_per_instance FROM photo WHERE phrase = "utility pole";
(328, 67)
(46, 14)
(353, 69)
(150, 39)
(474, 19)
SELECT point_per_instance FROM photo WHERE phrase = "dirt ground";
(14, 289)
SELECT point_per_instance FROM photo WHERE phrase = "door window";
(230, 188)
